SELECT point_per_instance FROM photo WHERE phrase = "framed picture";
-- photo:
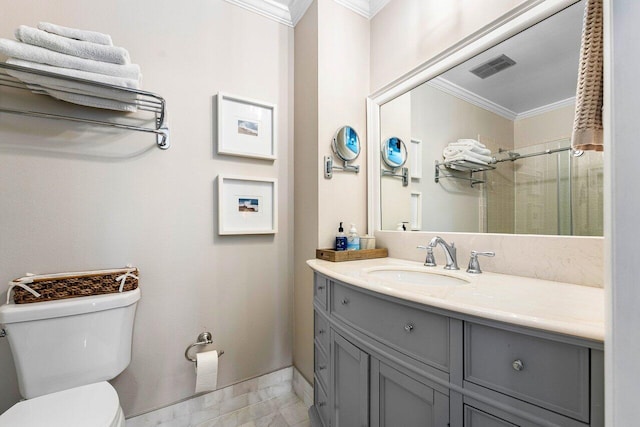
(246, 127)
(415, 158)
(247, 205)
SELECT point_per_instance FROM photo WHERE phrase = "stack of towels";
(468, 150)
(87, 55)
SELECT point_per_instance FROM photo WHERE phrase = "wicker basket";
(71, 285)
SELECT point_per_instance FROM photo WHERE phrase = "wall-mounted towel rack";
(461, 166)
(144, 102)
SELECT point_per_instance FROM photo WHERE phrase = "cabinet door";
(399, 400)
(349, 396)
(476, 418)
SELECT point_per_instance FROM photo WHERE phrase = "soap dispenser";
(341, 239)
(353, 240)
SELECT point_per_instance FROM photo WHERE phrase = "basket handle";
(23, 286)
(123, 277)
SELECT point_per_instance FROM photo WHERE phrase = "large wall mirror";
(516, 99)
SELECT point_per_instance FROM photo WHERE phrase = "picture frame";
(415, 158)
(246, 127)
(247, 205)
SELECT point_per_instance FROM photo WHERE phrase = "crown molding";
(546, 108)
(376, 6)
(289, 14)
(462, 93)
(361, 7)
(285, 14)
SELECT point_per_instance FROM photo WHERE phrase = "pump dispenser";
(353, 240)
(341, 239)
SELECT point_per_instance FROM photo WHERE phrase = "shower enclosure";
(552, 190)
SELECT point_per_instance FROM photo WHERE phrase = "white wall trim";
(290, 15)
(361, 7)
(472, 98)
(287, 15)
(546, 108)
(376, 6)
(297, 9)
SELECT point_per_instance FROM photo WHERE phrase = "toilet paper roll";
(206, 371)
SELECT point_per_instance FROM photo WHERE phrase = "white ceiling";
(289, 12)
(546, 69)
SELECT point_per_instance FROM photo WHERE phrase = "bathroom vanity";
(399, 344)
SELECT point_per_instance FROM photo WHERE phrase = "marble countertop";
(558, 307)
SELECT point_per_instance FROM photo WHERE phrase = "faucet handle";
(430, 261)
(474, 265)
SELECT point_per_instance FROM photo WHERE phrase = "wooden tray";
(338, 256)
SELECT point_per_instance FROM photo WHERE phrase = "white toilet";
(64, 352)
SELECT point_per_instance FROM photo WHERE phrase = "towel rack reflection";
(203, 339)
(145, 102)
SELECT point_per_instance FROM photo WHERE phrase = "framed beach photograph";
(246, 127)
(247, 205)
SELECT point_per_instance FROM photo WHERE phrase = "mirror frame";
(506, 26)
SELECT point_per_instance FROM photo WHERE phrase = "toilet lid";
(94, 405)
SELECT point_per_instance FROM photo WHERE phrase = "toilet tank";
(58, 345)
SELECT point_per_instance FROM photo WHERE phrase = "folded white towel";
(81, 49)
(476, 148)
(472, 141)
(454, 154)
(466, 157)
(95, 77)
(32, 53)
(74, 33)
(457, 148)
(92, 101)
(76, 92)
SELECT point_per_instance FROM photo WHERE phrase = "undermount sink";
(415, 276)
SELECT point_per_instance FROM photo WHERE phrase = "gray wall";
(67, 204)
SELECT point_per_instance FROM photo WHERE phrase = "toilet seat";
(93, 405)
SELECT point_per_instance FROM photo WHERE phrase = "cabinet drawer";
(321, 403)
(320, 285)
(321, 331)
(546, 373)
(423, 336)
(476, 418)
(321, 366)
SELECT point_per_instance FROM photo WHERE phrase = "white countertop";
(564, 308)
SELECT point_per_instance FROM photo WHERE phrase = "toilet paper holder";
(204, 338)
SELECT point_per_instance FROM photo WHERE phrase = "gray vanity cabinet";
(385, 362)
(397, 399)
(349, 384)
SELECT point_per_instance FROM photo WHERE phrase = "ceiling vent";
(493, 66)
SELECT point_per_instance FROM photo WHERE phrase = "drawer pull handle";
(321, 367)
(320, 331)
(518, 365)
(321, 404)
(344, 301)
(408, 327)
(321, 287)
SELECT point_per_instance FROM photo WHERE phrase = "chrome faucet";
(449, 251)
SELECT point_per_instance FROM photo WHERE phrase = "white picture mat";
(416, 211)
(232, 111)
(415, 158)
(231, 220)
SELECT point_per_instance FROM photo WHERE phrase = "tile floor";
(269, 400)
